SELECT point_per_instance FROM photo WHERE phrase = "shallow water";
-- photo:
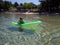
(45, 34)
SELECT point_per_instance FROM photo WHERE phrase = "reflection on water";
(44, 34)
(26, 31)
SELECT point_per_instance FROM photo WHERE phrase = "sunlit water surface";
(39, 34)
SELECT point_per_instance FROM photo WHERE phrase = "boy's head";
(21, 18)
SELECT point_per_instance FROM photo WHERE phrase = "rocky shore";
(21, 13)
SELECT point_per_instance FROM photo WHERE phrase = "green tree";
(27, 6)
(50, 5)
(16, 4)
(1, 4)
(21, 4)
(7, 5)
(33, 5)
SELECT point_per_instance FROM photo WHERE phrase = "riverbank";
(30, 13)
(22, 12)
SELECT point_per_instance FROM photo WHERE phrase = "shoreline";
(21, 13)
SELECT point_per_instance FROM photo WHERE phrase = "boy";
(21, 22)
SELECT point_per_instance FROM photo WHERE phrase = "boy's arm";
(18, 21)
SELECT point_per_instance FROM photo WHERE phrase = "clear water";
(44, 34)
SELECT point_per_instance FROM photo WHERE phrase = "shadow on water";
(26, 31)
(13, 29)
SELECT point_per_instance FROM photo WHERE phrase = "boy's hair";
(21, 18)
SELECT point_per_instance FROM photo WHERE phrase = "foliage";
(27, 5)
(7, 5)
(16, 4)
(50, 5)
